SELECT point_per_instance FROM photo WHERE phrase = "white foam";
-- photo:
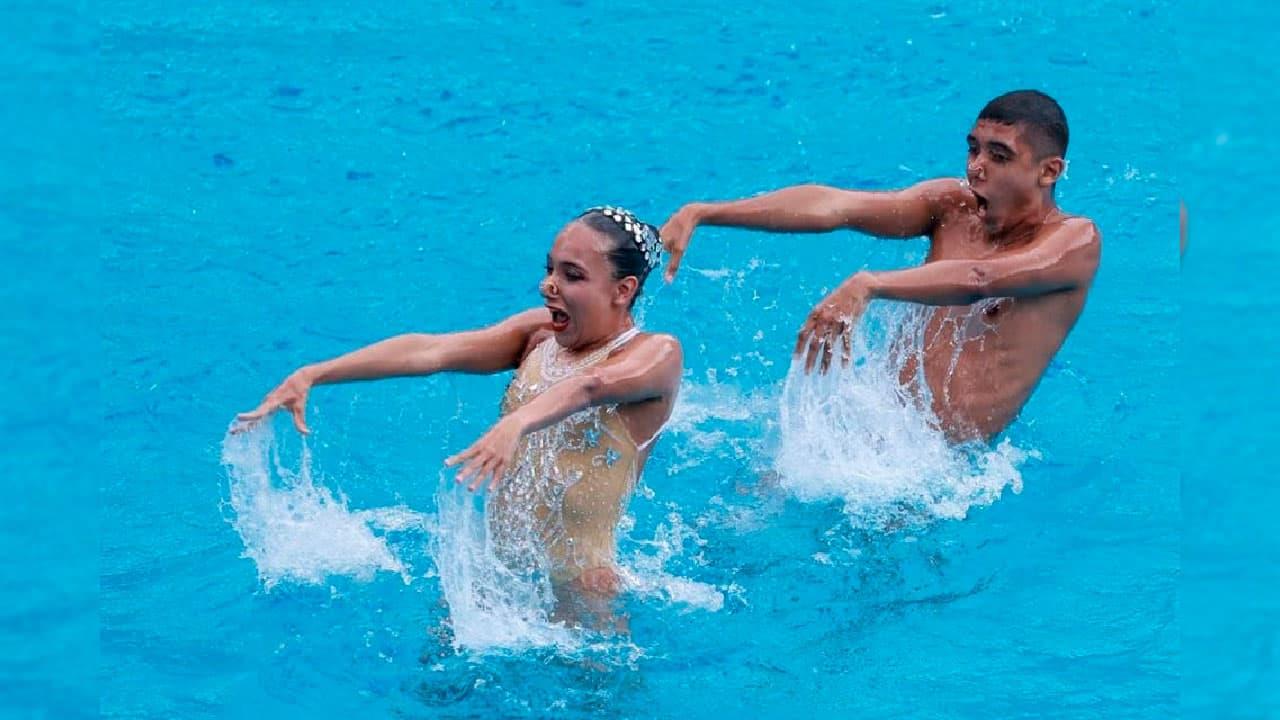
(854, 435)
(645, 571)
(491, 608)
(495, 610)
(698, 403)
(296, 530)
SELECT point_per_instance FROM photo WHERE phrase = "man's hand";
(491, 456)
(832, 321)
(675, 235)
(291, 395)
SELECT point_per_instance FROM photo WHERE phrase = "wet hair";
(633, 245)
(1043, 118)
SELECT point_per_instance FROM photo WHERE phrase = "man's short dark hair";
(1042, 116)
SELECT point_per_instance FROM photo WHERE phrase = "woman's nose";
(548, 287)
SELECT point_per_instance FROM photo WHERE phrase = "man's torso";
(983, 361)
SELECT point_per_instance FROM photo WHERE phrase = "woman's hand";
(290, 395)
(491, 456)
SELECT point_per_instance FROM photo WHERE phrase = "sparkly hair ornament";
(642, 234)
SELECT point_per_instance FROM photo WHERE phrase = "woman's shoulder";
(657, 342)
(658, 349)
(656, 338)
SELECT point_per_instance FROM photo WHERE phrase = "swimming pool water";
(273, 185)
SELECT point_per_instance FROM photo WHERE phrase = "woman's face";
(586, 302)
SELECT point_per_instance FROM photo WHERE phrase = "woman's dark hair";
(633, 245)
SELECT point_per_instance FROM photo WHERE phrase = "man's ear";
(1051, 169)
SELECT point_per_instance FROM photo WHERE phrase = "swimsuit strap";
(554, 369)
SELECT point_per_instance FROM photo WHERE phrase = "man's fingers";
(818, 337)
(802, 339)
(299, 411)
(673, 265)
(811, 356)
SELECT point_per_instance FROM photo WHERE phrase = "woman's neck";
(591, 346)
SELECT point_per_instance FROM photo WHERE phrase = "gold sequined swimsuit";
(559, 505)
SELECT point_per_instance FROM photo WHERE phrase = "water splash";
(721, 421)
(647, 576)
(491, 607)
(497, 609)
(856, 435)
(296, 530)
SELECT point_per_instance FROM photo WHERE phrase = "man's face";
(1004, 172)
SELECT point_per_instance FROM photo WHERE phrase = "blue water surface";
(268, 185)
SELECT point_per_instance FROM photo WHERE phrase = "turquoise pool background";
(197, 200)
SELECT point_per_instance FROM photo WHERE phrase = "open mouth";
(982, 203)
(559, 319)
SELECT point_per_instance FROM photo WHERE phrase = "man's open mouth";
(982, 203)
